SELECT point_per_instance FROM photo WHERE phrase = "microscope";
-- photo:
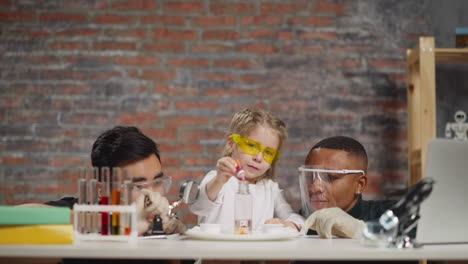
(188, 194)
(404, 215)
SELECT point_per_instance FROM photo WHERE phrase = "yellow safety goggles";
(252, 147)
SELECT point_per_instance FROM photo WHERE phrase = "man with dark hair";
(121, 146)
(131, 150)
(342, 163)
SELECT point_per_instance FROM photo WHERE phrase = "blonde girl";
(254, 139)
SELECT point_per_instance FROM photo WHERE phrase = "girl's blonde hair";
(246, 120)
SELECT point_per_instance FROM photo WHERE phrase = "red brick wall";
(180, 69)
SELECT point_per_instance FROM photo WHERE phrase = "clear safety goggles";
(312, 174)
(316, 187)
(252, 147)
(163, 182)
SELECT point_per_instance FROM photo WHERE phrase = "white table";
(188, 248)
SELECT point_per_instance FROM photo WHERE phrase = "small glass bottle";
(243, 209)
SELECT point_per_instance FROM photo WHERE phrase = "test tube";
(82, 181)
(116, 185)
(87, 215)
(92, 199)
(105, 189)
(126, 222)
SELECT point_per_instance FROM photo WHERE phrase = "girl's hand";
(279, 221)
(225, 168)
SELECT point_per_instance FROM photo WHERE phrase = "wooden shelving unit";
(421, 62)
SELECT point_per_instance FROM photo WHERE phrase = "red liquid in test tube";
(105, 189)
(104, 217)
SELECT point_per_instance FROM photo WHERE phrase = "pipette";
(240, 173)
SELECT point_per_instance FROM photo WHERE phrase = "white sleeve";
(284, 211)
(203, 205)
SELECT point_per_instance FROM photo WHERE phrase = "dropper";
(240, 171)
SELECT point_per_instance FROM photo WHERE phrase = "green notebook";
(20, 215)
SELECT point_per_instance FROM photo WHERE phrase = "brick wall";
(180, 69)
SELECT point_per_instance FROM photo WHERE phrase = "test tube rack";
(84, 208)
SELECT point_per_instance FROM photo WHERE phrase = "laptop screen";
(444, 215)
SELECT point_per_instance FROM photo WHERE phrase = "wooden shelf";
(451, 55)
(441, 55)
(421, 62)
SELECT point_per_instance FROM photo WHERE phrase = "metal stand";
(404, 215)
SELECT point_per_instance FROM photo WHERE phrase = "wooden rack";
(421, 62)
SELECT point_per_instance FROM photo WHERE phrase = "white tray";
(197, 233)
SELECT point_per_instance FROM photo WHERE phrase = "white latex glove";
(333, 221)
(156, 205)
(172, 225)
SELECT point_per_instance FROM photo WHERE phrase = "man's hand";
(333, 221)
(172, 225)
(149, 203)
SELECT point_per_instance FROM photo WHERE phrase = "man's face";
(146, 174)
(344, 188)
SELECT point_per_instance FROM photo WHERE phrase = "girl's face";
(255, 165)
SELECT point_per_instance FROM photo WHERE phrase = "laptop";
(444, 214)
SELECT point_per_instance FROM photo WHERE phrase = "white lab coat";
(268, 202)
